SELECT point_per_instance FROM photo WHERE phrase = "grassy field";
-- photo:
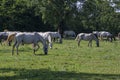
(65, 61)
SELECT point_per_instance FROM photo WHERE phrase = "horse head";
(43, 41)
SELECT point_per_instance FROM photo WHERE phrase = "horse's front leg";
(79, 42)
(50, 44)
(37, 46)
(17, 48)
(13, 47)
(9, 43)
(90, 43)
(34, 48)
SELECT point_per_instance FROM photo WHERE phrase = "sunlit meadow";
(64, 61)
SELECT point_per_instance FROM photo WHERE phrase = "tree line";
(60, 15)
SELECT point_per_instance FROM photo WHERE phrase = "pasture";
(65, 61)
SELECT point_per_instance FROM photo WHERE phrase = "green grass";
(65, 61)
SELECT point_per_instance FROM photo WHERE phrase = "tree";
(99, 15)
(57, 12)
(20, 15)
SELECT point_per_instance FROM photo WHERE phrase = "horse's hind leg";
(37, 47)
(79, 42)
(14, 47)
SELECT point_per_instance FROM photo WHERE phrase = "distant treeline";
(60, 15)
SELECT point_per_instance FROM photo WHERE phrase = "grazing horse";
(47, 37)
(3, 37)
(56, 35)
(88, 37)
(7, 34)
(107, 35)
(30, 38)
(69, 34)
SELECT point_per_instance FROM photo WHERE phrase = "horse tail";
(11, 37)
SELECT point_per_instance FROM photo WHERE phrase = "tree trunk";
(60, 28)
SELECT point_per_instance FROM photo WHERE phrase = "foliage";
(51, 15)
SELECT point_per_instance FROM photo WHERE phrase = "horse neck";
(42, 40)
(49, 38)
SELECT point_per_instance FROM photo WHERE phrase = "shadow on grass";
(46, 74)
(21, 51)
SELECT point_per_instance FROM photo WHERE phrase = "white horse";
(88, 37)
(105, 34)
(47, 37)
(30, 38)
(69, 34)
(3, 37)
(56, 35)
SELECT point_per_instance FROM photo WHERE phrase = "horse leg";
(9, 43)
(60, 40)
(79, 42)
(110, 39)
(34, 48)
(101, 38)
(14, 47)
(17, 48)
(90, 43)
(50, 44)
(37, 47)
(107, 39)
(54, 39)
(34, 45)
